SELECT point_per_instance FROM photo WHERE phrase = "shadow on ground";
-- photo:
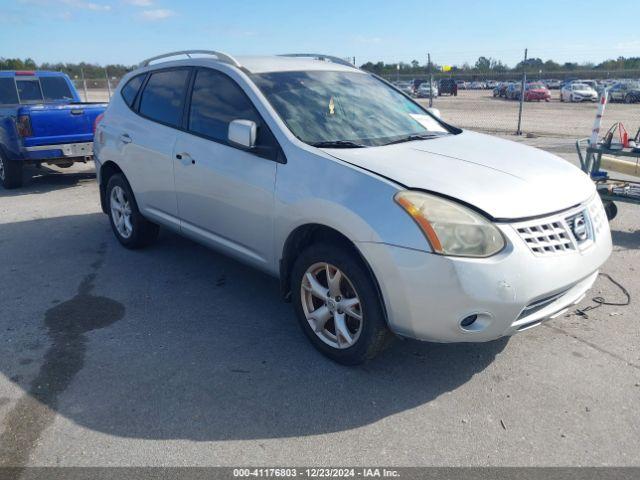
(199, 347)
(45, 179)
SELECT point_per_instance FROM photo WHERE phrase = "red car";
(536, 91)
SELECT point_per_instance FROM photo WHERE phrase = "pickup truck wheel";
(10, 173)
(337, 304)
(129, 226)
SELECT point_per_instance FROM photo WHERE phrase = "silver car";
(378, 218)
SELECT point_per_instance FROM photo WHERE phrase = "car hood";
(585, 92)
(504, 179)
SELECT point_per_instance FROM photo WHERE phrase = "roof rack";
(222, 57)
(320, 56)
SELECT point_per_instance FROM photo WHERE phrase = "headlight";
(450, 228)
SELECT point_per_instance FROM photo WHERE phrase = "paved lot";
(477, 109)
(176, 355)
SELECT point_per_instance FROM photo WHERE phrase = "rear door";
(225, 194)
(147, 143)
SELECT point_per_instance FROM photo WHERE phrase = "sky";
(127, 31)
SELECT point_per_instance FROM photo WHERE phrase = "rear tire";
(129, 226)
(334, 306)
(10, 172)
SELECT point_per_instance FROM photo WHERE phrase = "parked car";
(627, 92)
(553, 84)
(462, 85)
(536, 91)
(423, 90)
(325, 176)
(448, 86)
(42, 120)
(578, 92)
(501, 89)
(513, 91)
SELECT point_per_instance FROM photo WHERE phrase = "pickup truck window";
(130, 90)
(29, 91)
(55, 88)
(8, 92)
(163, 95)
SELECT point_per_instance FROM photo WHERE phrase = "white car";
(377, 217)
(423, 90)
(578, 92)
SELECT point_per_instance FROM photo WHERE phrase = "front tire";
(129, 226)
(337, 304)
(10, 173)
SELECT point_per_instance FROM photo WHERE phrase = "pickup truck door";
(225, 194)
(147, 143)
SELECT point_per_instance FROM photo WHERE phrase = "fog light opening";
(468, 321)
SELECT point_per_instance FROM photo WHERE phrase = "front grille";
(545, 238)
(564, 233)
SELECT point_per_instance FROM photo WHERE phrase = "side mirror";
(434, 111)
(242, 133)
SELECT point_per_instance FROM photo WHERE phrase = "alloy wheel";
(331, 305)
(121, 211)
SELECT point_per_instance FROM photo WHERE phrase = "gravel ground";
(175, 355)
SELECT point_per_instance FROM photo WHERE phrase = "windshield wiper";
(338, 144)
(411, 138)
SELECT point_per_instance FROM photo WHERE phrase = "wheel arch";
(107, 170)
(309, 234)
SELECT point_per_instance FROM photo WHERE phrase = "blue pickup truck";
(42, 121)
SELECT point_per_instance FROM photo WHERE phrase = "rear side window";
(29, 91)
(130, 90)
(216, 100)
(55, 88)
(8, 92)
(163, 95)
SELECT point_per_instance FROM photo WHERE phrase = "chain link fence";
(479, 104)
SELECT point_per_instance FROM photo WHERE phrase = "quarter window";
(163, 95)
(130, 90)
(216, 100)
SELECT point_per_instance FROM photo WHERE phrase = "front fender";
(316, 189)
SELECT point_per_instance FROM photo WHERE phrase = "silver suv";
(377, 216)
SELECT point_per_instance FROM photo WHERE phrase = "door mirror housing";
(242, 133)
(434, 111)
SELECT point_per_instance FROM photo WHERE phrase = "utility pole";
(398, 72)
(524, 83)
(430, 81)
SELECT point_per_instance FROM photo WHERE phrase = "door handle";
(185, 158)
(125, 138)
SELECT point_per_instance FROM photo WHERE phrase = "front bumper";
(66, 150)
(427, 296)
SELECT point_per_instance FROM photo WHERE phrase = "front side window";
(216, 100)
(55, 89)
(321, 107)
(29, 91)
(162, 97)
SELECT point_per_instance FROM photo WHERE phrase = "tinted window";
(130, 90)
(55, 88)
(29, 91)
(162, 96)
(8, 92)
(216, 101)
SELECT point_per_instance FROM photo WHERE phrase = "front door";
(225, 194)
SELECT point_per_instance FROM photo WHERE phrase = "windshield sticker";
(332, 107)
